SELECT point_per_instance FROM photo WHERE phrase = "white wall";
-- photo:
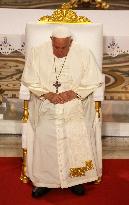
(115, 22)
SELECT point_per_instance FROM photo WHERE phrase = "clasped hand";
(60, 98)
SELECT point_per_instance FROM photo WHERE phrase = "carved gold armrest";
(25, 112)
(98, 107)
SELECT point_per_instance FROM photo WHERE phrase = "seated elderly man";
(61, 77)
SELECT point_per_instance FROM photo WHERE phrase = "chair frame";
(66, 11)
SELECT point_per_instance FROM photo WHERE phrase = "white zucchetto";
(61, 32)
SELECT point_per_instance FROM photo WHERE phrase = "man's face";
(61, 46)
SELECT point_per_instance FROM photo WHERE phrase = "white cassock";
(60, 153)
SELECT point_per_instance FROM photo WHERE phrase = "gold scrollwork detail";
(80, 171)
(26, 112)
(101, 4)
(98, 108)
(98, 3)
(64, 15)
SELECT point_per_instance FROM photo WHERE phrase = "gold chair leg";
(98, 108)
(98, 181)
(23, 176)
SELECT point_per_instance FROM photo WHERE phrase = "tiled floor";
(114, 4)
(116, 152)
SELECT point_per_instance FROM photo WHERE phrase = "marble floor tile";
(116, 153)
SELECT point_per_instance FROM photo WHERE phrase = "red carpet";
(114, 190)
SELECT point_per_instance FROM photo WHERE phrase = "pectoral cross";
(57, 85)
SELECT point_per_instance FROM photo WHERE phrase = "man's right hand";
(54, 98)
(60, 98)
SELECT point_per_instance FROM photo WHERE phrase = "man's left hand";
(68, 95)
